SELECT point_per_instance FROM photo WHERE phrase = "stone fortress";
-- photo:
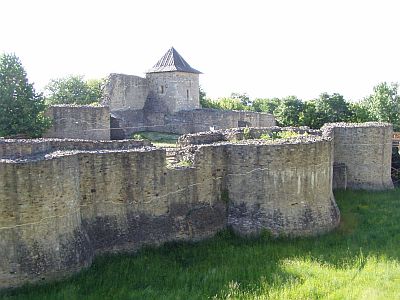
(62, 201)
(167, 100)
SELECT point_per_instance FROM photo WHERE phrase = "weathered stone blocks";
(283, 187)
(63, 201)
(79, 122)
(365, 151)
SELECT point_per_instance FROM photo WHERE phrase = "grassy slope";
(360, 260)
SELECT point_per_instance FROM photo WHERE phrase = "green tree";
(384, 104)
(359, 112)
(242, 97)
(21, 108)
(265, 105)
(204, 101)
(231, 104)
(73, 90)
(329, 109)
(289, 110)
(308, 117)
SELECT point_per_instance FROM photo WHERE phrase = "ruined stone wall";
(41, 234)
(288, 187)
(18, 148)
(237, 134)
(362, 154)
(79, 122)
(58, 210)
(199, 120)
(174, 90)
(125, 92)
(130, 199)
(190, 121)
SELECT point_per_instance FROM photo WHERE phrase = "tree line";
(383, 105)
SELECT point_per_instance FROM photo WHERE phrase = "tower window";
(187, 95)
(162, 89)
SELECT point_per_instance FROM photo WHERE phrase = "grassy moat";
(360, 260)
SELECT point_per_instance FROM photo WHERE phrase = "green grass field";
(360, 260)
(158, 139)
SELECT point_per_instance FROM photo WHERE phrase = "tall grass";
(359, 260)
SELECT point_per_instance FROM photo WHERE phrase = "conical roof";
(172, 61)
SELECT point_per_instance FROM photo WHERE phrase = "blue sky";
(265, 48)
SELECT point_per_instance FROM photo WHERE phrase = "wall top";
(356, 125)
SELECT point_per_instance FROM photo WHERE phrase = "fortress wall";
(175, 90)
(125, 92)
(363, 151)
(127, 121)
(200, 120)
(57, 213)
(283, 187)
(58, 210)
(12, 148)
(130, 199)
(17, 148)
(79, 122)
(237, 134)
(188, 121)
(40, 223)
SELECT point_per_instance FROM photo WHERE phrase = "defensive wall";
(60, 205)
(79, 122)
(98, 123)
(363, 155)
(167, 102)
(126, 122)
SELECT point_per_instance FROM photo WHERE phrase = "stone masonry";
(64, 201)
(79, 122)
(167, 100)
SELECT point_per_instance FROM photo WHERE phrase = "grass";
(158, 139)
(359, 260)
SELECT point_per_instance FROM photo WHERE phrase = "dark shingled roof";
(172, 61)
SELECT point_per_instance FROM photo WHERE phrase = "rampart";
(79, 122)
(14, 149)
(60, 207)
(363, 154)
(126, 91)
(238, 134)
(186, 121)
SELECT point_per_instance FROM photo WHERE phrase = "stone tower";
(173, 83)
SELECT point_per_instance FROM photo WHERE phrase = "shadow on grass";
(227, 264)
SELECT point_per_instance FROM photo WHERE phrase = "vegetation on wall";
(73, 90)
(21, 107)
(382, 105)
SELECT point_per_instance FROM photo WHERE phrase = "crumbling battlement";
(237, 134)
(364, 151)
(79, 122)
(59, 209)
(24, 148)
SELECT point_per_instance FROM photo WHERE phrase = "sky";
(263, 48)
